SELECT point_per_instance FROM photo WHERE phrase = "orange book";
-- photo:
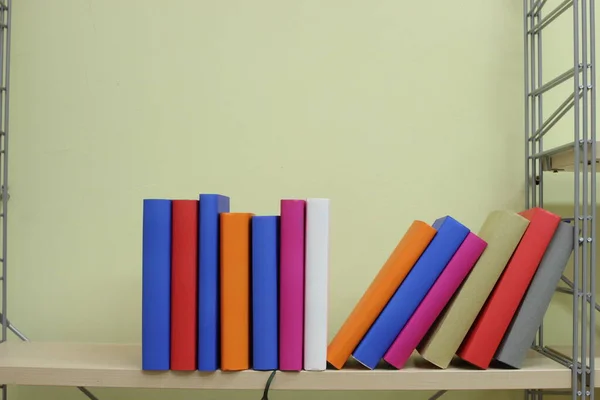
(368, 308)
(235, 291)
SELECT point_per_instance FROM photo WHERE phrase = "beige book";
(502, 230)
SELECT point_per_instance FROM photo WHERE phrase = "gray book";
(524, 326)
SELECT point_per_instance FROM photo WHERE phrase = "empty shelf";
(562, 158)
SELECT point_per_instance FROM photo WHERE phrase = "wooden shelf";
(118, 365)
(562, 158)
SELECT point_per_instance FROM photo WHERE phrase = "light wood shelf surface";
(562, 158)
(119, 365)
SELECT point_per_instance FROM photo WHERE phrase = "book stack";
(224, 290)
(447, 292)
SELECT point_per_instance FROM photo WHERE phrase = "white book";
(316, 284)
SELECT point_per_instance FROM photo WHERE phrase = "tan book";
(502, 231)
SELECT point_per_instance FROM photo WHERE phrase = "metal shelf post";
(5, 32)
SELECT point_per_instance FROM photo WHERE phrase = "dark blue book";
(156, 284)
(265, 297)
(381, 335)
(211, 205)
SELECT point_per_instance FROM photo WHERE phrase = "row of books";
(446, 291)
(233, 290)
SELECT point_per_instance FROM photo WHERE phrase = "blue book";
(156, 285)
(450, 235)
(265, 295)
(211, 205)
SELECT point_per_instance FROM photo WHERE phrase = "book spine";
(265, 283)
(211, 205)
(316, 282)
(291, 293)
(365, 312)
(435, 301)
(184, 284)
(522, 331)
(449, 237)
(156, 284)
(484, 337)
(235, 291)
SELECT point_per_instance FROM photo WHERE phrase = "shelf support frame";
(5, 32)
(582, 103)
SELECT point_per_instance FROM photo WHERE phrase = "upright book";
(211, 206)
(524, 326)
(291, 293)
(502, 231)
(235, 291)
(399, 263)
(184, 284)
(156, 284)
(482, 341)
(316, 284)
(265, 284)
(432, 305)
(449, 237)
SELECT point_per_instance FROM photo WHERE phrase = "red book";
(184, 284)
(484, 337)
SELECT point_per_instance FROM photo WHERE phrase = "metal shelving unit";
(5, 25)
(580, 158)
(549, 370)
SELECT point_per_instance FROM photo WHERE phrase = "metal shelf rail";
(5, 24)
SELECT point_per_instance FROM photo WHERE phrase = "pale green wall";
(396, 110)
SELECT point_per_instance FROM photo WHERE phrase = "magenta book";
(438, 296)
(291, 285)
